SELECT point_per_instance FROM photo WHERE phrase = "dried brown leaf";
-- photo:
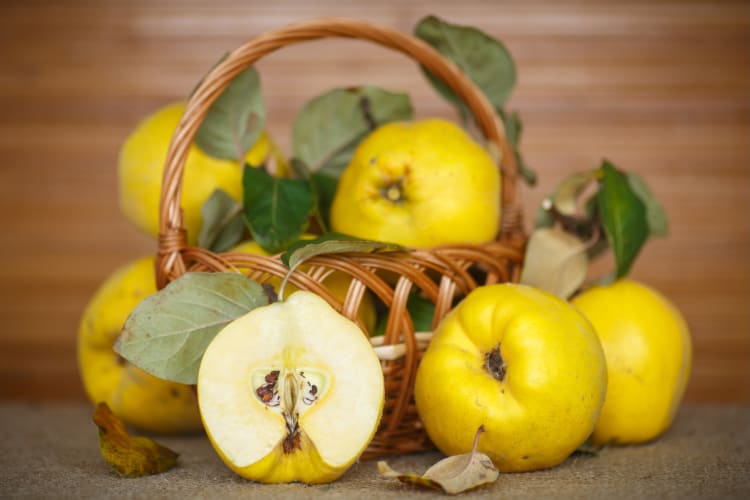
(130, 456)
(451, 475)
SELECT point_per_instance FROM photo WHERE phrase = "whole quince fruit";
(647, 345)
(141, 165)
(136, 397)
(292, 391)
(337, 282)
(522, 363)
(421, 184)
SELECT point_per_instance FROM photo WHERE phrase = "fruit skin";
(421, 184)
(337, 283)
(549, 397)
(239, 425)
(141, 165)
(648, 350)
(136, 397)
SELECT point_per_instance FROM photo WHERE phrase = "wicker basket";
(443, 274)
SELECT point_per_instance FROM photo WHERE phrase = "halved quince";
(292, 391)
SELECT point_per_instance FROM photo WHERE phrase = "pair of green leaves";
(590, 212)
(277, 211)
(168, 332)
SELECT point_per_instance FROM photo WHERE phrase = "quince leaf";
(329, 127)
(223, 224)
(277, 210)
(130, 456)
(513, 128)
(168, 332)
(235, 120)
(658, 223)
(333, 242)
(555, 261)
(482, 58)
(451, 475)
(623, 216)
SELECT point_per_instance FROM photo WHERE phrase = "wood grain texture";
(661, 88)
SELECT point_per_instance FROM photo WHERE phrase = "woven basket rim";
(173, 239)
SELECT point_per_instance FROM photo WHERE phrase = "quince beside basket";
(443, 274)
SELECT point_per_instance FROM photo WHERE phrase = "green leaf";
(223, 223)
(325, 189)
(623, 216)
(235, 120)
(277, 210)
(333, 243)
(482, 58)
(168, 332)
(513, 129)
(658, 223)
(555, 261)
(421, 310)
(329, 127)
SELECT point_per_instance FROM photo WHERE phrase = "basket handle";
(171, 231)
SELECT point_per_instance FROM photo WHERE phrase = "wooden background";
(661, 88)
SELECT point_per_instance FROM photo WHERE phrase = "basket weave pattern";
(442, 274)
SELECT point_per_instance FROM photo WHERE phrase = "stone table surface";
(51, 451)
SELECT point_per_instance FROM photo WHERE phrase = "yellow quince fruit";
(136, 397)
(647, 345)
(337, 282)
(291, 391)
(522, 363)
(421, 183)
(141, 165)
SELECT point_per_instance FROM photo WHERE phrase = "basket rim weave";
(401, 430)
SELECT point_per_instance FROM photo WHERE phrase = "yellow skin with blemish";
(136, 397)
(648, 349)
(141, 166)
(544, 401)
(421, 183)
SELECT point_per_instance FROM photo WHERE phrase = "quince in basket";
(141, 165)
(522, 363)
(138, 398)
(647, 345)
(291, 391)
(421, 183)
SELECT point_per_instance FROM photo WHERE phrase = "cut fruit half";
(292, 391)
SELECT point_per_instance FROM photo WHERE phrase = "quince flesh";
(292, 391)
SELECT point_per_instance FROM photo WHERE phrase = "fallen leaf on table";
(130, 456)
(451, 475)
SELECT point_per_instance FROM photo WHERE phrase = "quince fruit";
(136, 397)
(647, 346)
(522, 363)
(292, 391)
(141, 166)
(337, 282)
(421, 184)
